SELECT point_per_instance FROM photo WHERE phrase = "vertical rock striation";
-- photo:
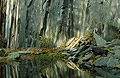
(26, 20)
(1, 7)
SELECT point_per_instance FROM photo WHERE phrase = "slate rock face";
(59, 19)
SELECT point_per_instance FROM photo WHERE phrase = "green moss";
(49, 57)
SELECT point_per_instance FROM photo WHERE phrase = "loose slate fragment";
(104, 74)
(99, 40)
(87, 56)
(76, 42)
(83, 49)
(99, 50)
(73, 49)
(117, 53)
(113, 44)
(101, 61)
(69, 42)
(112, 62)
(108, 61)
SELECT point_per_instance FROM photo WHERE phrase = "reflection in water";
(40, 69)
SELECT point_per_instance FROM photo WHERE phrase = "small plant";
(46, 42)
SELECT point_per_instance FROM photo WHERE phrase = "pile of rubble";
(93, 52)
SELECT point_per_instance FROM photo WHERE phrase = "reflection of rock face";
(37, 69)
(59, 19)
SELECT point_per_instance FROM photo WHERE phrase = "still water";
(37, 68)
